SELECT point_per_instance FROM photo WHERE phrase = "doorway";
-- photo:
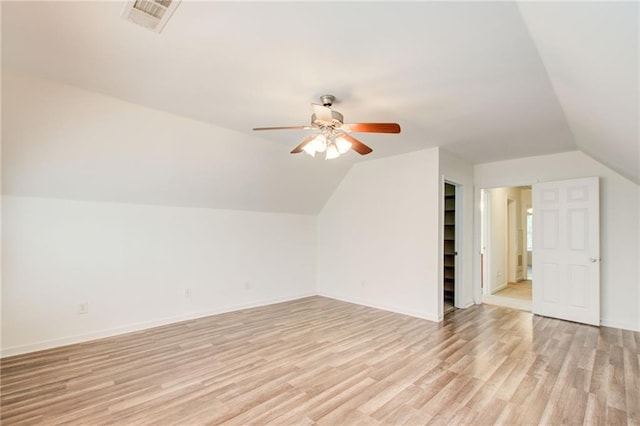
(506, 247)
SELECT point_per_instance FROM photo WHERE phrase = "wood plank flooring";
(515, 295)
(520, 290)
(322, 361)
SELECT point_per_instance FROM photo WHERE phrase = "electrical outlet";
(247, 285)
(187, 293)
(83, 308)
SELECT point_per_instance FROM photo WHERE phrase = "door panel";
(577, 292)
(550, 227)
(578, 227)
(566, 244)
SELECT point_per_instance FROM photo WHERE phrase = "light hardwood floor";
(318, 360)
(515, 295)
(519, 290)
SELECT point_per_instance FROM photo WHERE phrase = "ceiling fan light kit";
(334, 145)
(333, 138)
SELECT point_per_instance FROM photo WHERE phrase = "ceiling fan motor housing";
(336, 122)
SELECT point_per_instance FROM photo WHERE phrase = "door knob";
(593, 260)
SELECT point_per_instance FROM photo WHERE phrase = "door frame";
(485, 242)
(512, 240)
(482, 202)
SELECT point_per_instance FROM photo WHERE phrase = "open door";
(566, 245)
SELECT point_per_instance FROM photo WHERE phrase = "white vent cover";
(152, 14)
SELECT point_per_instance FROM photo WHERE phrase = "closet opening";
(450, 252)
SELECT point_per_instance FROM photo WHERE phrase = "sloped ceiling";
(591, 53)
(487, 81)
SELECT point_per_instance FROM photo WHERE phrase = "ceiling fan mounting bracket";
(327, 100)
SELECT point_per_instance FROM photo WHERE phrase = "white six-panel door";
(566, 250)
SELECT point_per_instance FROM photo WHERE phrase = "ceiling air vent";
(152, 14)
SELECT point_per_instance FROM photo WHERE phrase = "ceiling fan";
(333, 137)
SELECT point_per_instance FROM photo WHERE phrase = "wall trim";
(500, 287)
(391, 308)
(468, 304)
(144, 325)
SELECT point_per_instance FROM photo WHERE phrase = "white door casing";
(512, 245)
(566, 247)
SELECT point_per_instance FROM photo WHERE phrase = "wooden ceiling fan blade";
(304, 143)
(322, 112)
(373, 127)
(356, 145)
(283, 128)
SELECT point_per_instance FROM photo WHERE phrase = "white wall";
(63, 142)
(378, 235)
(496, 252)
(377, 242)
(620, 208)
(456, 170)
(132, 264)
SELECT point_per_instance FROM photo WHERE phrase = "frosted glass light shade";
(310, 149)
(320, 143)
(342, 145)
(332, 152)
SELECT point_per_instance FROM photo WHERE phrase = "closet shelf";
(449, 247)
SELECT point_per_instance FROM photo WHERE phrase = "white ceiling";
(591, 52)
(487, 81)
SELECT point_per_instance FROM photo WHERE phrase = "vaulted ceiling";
(486, 81)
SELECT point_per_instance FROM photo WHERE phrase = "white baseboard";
(468, 304)
(130, 328)
(68, 340)
(384, 307)
(500, 287)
